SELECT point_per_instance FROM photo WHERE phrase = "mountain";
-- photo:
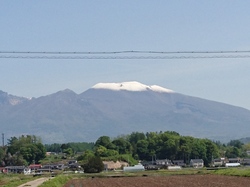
(245, 140)
(114, 109)
(7, 99)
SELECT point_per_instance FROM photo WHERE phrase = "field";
(13, 180)
(163, 181)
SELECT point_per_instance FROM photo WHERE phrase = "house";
(217, 162)
(72, 162)
(15, 169)
(164, 162)
(197, 163)
(74, 166)
(179, 163)
(234, 160)
(245, 161)
(44, 170)
(35, 166)
(61, 166)
(51, 166)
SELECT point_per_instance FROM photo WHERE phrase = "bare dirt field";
(163, 181)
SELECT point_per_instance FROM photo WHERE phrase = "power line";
(118, 55)
(3, 139)
(122, 57)
(122, 52)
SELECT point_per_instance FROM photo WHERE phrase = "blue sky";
(123, 26)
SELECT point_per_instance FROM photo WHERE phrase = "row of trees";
(155, 145)
(171, 145)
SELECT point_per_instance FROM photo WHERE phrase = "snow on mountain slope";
(130, 86)
(8, 99)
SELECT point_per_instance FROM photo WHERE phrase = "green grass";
(14, 180)
(241, 172)
(57, 181)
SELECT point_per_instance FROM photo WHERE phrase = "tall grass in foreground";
(14, 180)
(241, 172)
(57, 181)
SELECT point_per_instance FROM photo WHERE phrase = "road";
(34, 183)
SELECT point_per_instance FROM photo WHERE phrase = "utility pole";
(3, 139)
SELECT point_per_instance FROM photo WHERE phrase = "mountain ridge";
(65, 116)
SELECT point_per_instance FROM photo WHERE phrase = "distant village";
(74, 166)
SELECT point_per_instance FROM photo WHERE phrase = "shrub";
(94, 165)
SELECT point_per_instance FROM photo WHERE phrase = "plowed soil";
(163, 181)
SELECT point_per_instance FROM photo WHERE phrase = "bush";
(94, 165)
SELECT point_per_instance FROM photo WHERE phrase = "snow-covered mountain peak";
(130, 86)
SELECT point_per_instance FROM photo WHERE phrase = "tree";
(167, 145)
(198, 149)
(40, 151)
(135, 137)
(80, 146)
(235, 148)
(55, 147)
(212, 151)
(86, 155)
(236, 143)
(122, 146)
(246, 147)
(152, 139)
(185, 148)
(101, 151)
(64, 146)
(94, 165)
(103, 141)
(68, 152)
(28, 148)
(142, 149)
(2, 155)
(171, 147)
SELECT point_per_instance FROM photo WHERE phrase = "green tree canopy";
(28, 148)
(94, 165)
(122, 145)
